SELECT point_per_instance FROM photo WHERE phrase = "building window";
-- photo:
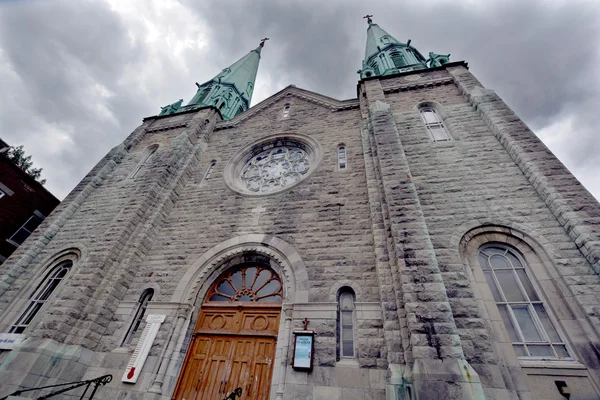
(41, 296)
(398, 59)
(342, 157)
(149, 152)
(286, 111)
(209, 170)
(139, 315)
(346, 323)
(530, 326)
(375, 67)
(434, 124)
(28, 227)
(202, 96)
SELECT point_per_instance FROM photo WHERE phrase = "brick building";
(24, 203)
(420, 234)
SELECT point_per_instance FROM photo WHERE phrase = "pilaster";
(433, 349)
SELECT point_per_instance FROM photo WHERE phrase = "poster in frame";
(304, 345)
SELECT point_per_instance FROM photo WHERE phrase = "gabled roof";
(291, 90)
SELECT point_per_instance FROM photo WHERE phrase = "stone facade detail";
(400, 226)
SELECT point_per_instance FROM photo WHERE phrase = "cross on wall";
(257, 211)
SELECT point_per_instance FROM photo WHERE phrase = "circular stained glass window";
(273, 169)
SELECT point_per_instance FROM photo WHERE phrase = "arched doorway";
(234, 340)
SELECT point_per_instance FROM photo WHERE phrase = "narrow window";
(209, 170)
(342, 158)
(346, 323)
(28, 227)
(398, 59)
(149, 152)
(41, 296)
(434, 124)
(139, 315)
(375, 67)
(286, 111)
(202, 96)
(529, 323)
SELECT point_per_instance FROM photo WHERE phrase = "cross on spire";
(368, 17)
(263, 40)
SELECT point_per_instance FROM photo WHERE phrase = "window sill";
(347, 363)
(557, 364)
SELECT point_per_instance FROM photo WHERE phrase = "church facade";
(415, 242)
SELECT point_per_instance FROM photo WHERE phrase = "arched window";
(342, 157)
(375, 67)
(209, 170)
(41, 295)
(149, 152)
(286, 110)
(346, 317)
(202, 95)
(434, 124)
(398, 59)
(529, 323)
(139, 315)
(247, 283)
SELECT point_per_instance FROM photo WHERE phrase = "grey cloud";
(540, 57)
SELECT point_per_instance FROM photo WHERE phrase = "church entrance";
(233, 343)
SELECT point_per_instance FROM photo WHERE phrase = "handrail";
(100, 381)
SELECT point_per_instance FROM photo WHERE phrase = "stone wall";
(400, 226)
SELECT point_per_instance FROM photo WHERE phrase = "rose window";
(275, 168)
(251, 283)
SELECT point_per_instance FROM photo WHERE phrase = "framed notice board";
(304, 346)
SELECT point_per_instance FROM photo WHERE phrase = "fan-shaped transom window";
(250, 283)
(528, 322)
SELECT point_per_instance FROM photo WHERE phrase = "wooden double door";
(232, 347)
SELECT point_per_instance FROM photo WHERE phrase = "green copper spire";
(231, 90)
(386, 55)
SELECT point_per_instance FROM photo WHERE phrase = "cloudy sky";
(77, 76)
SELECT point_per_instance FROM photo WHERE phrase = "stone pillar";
(438, 368)
(182, 316)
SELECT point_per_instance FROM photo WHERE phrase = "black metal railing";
(96, 382)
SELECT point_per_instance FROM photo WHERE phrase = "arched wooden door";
(233, 344)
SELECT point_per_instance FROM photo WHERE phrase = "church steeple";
(386, 55)
(231, 90)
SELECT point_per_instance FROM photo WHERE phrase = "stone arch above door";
(286, 262)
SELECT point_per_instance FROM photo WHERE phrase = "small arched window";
(209, 170)
(346, 317)
(286, 110)
(375, 67)
(398, 59)
(41, 295)
(139, 315)
(342, 157)
(148, 153)
(434, 124)
(530, 325)
(202, 95)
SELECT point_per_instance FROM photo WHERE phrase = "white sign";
(9, 341)
(303, 351)
(140, 354)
